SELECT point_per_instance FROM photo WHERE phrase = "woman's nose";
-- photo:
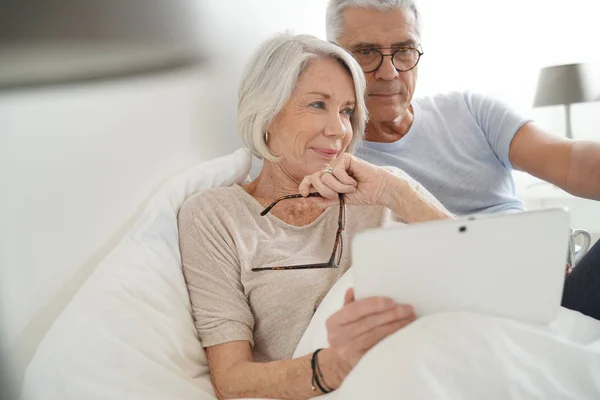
(335, 125)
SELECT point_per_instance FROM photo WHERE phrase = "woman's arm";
(364, 183)
(405, 200)
(352, 331)
(235, 374)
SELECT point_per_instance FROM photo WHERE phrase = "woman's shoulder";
(213, 202)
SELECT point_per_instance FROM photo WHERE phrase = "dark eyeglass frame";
(335, 258)
(419, 51)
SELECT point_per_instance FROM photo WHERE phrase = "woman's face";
(314, 126)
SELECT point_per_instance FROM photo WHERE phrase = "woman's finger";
(330, 180)
(359, 309)
(342, 175)
(322, 188)
(369, 339)
(399, 313)
(304, 187)
(349, 297)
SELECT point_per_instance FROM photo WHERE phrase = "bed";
(128, 332)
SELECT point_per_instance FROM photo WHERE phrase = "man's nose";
(386, 70)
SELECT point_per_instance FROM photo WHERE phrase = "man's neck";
(389, 131)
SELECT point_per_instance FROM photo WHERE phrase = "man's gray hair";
(270, 78)
(336, 8)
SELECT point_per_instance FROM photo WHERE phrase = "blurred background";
(159, 93)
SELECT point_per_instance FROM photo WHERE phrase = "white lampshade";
(59, 41)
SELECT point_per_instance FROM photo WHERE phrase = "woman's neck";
(273, 182)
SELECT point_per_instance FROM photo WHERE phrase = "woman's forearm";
(409, 204)
(285, 379)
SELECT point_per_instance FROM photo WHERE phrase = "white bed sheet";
(470, 356)
(129, 334)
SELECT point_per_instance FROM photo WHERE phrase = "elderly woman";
(258, 258)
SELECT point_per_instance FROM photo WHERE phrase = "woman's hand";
(361, 324)
(359, 181)
(366, 184)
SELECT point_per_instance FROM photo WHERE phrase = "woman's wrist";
(393, 189)
(333, 367)
(406, 202)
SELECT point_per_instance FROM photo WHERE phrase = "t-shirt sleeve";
(498, 122)
(212, 273)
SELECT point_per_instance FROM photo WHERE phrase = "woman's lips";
(327, 152)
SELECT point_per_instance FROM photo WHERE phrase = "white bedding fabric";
(469, 356)
(128, 333)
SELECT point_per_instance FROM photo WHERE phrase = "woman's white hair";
(335, 10)
(270, 78)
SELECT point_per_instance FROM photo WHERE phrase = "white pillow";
(128, 333)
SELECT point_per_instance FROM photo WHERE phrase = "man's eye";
(366, 52)
(318, 104)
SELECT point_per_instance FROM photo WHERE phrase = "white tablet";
(509, 265)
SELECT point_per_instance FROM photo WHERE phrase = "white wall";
(77, 161)
(61, 148)
(498, 46)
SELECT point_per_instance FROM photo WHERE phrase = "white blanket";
(128, 333)
(470, 356)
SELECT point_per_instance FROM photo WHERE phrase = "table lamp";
(564, 85)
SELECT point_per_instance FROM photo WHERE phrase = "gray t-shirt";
(222, 236)
(458, 148)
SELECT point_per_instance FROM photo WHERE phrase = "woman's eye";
(318, 104)
(348, 111)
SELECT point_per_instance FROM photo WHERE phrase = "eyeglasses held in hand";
(338, 245)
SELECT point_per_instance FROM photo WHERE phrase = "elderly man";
(460, 146)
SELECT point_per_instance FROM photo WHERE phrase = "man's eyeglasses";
(404, 58)
(338, 245)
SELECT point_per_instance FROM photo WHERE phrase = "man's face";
(389, 92)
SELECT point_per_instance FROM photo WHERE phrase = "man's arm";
(573, 165)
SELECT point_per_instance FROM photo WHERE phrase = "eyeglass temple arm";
(291, 196)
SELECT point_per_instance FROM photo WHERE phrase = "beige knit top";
(222, 236)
